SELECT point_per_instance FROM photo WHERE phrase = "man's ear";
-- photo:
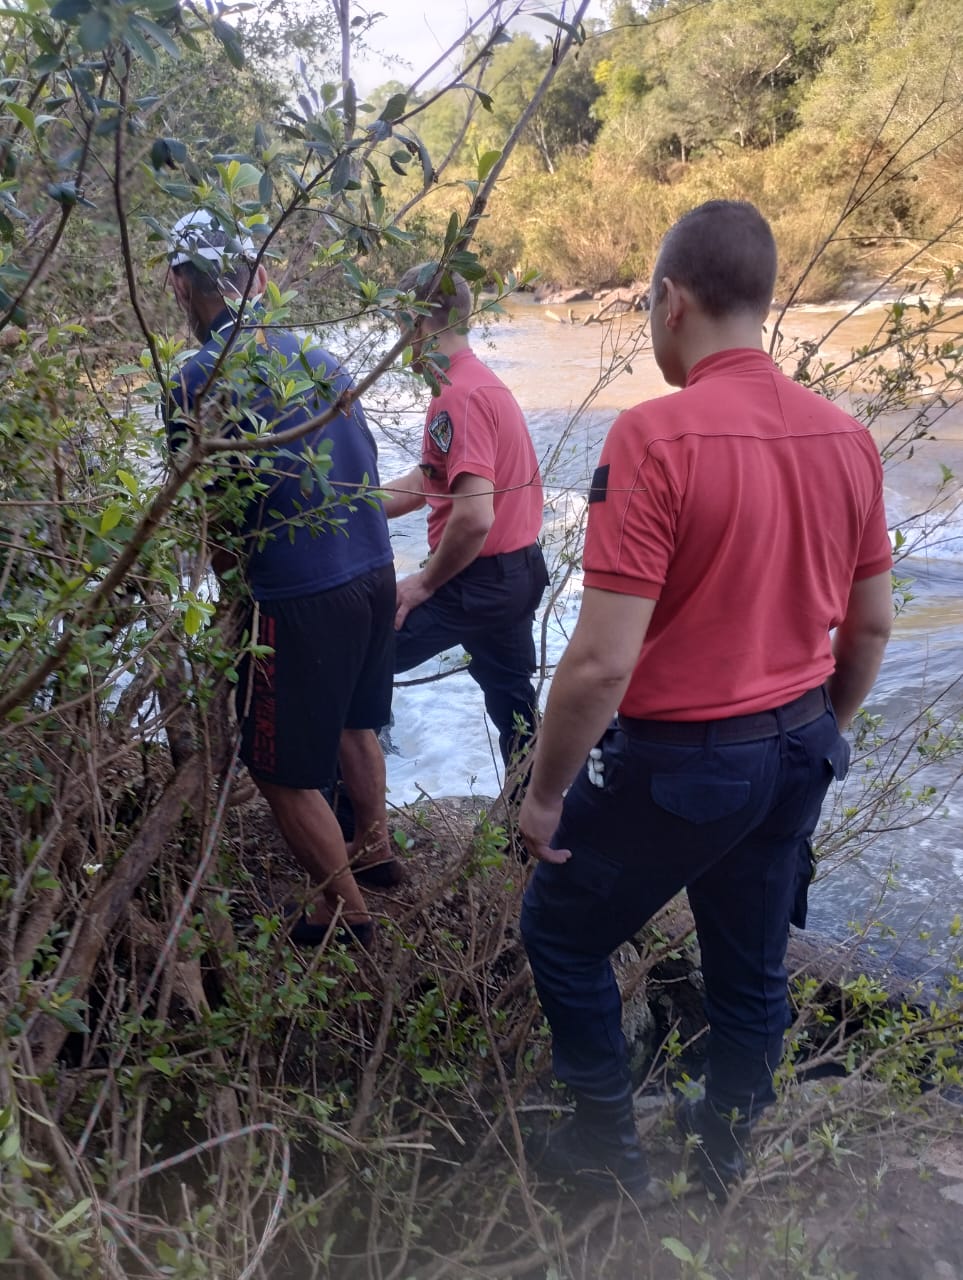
(182, 290)
(676, 302)
(260, 281)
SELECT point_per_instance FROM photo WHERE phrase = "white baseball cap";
(199, 234)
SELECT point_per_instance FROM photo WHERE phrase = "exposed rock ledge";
(611, 303)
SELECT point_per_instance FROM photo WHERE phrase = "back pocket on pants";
(699, 799)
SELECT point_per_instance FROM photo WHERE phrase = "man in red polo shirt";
(732, 527)
(479, 477)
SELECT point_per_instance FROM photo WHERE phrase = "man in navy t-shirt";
(316, 557)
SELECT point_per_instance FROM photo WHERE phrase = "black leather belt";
(504, 562)
(761, 724)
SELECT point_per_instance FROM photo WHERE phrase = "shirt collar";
(463, 354)
(735, 360)
(226, 319)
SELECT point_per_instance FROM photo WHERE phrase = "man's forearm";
(859, 642)
(405, 494)
(858, 660)
(460, 544)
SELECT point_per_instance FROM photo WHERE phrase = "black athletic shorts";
(330, 668)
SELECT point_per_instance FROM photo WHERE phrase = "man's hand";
(411, 593)
(538, 821)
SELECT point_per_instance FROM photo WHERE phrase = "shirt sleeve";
(633, 516)
(474, 435)
(875, 550)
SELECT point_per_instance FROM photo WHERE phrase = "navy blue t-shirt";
(291, 552)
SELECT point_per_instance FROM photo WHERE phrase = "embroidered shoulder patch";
(441, 432)
(599, 489)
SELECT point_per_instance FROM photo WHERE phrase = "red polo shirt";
(746, 506)
(475, 426)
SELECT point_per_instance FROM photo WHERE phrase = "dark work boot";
(597, 1147)
(724, 1141)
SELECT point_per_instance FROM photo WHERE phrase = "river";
(887, 871)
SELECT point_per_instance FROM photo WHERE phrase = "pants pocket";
(699, 798)
(805, 875)
(572, 893)
(838, 758)
(836, 763)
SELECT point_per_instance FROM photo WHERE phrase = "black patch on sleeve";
(441, 431)
(599, 489)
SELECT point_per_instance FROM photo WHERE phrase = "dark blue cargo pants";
(488, 609)
(728, 820)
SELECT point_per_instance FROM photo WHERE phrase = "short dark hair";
(445, 291)
(215, 282)
(725, 253)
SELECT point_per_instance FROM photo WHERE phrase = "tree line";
(673, 101)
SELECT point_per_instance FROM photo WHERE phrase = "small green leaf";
(23, 114)
(162, 1065)
(94, 31)
(432, 1076)
(677, 1249)
(143, 48)
(111, 517)
(340, 174)
(394, 107)
(69, 10)
(46, 63)
(195, 616)
(246, 175)
(157, 33)
(170, 1257)
(79, 1209)
(417, 147)
(231, 41)
(16, 312)
(160, 154)
(576, 32)
(487, 163)
(67, 1015)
